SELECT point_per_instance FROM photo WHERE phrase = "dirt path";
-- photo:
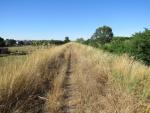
(69, 88)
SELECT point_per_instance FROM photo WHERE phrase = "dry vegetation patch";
(23, 85)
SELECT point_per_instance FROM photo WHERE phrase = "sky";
(55, 19)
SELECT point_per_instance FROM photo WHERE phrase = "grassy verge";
(110, 83)
(23, 83)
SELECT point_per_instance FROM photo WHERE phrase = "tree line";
(12, 42)
(138, 45)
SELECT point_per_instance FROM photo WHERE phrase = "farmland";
(73, 78)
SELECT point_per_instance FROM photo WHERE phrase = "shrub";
(140, 47)
(118, 45)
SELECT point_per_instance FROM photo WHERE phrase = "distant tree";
(10, 42)
(20, 43)
(80, 40)
(66, 40)
(2, 42)
(27, 42)
(103, 34)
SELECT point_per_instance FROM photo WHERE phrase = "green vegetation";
(138, 45)
(118, 45)
(103, 34)
(46, 42)
(80, 40)
(12, 42)
(66, 39)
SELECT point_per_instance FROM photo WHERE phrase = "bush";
(80, 40)
(118, 45)
(91, 42)
(140, 47)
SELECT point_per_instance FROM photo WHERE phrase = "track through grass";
(74, 79)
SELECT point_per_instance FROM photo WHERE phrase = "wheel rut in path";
(69, 88)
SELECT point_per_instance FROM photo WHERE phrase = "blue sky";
(55, 19)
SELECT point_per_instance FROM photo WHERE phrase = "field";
(72, 78)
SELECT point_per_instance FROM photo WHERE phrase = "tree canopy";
(141, 46)
(67, 39)
(103, 34)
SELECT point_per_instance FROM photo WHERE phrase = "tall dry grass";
(109, 83)
(23, 83)
(100, 82)
(55, 96)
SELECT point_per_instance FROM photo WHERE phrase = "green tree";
(2, 42)
(140, 47)
(10, 42)
(103, 34)
(66, 39)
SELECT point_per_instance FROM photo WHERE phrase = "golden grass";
(95, 90)
(100, 82)
(21, 82)
(55, 97)
(109, 83)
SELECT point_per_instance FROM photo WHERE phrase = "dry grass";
(55, 97)
(27, 49)
(21, 83)
(109, 83)
(95, 90)
(100, 82)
